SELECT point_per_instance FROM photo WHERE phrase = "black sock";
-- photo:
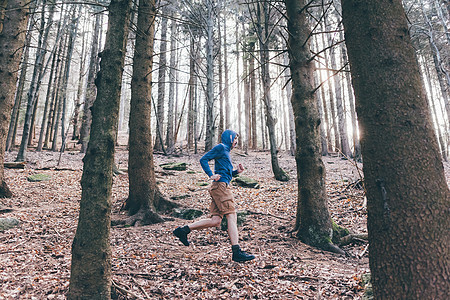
(186, 229)
(235, 248)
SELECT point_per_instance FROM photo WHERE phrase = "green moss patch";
(38, 177)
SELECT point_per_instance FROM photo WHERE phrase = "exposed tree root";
(5, 192)
(146, 215)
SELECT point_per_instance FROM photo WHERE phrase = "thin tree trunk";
(33, 91)
(210, 128)
(11, 139)
(246, 102)
(161, 82)
(190, 114)
(252, 74)
(81, 88)
(407, 193)
(59, 95)
(238, 83)
(220, 83)
(263, 17)
(90, 276)
(225, 66)
(90, 91)
(288, 86)
(172, 71)
(427, 79)
(12, 40)
(70, 48)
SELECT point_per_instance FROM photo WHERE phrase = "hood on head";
(228, 137)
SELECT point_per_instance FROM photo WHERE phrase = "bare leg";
(214, 221)
(232, 228)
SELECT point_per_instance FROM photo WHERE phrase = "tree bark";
(161, 82)
(172, 80)
(313, 222)
(407, 194)
(210, 127)
(90, 276)
(144, 197)
(33, 91)
(90, 91)
(263, 20)
(12, 38)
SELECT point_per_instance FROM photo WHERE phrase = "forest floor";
(149, 263)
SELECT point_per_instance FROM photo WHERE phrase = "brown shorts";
(222, 202)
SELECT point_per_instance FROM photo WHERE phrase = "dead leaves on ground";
(148, 262)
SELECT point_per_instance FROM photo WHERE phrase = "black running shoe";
(241, 256)
(180, 233)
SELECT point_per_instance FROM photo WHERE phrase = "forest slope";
(149, 262)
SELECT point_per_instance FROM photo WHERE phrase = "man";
(222, 203)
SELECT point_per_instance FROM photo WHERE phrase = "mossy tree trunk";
(313, 222)
(407, 193)
(12, 38)
(144, 197)
(90, 276)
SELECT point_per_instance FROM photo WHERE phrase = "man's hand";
(215, 177)
(240, 168)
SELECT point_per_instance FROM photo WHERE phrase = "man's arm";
(211, 154)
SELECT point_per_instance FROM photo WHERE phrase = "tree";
(159, 143)
(313, 223)
(263, 15)
(33, 91)
(144, 197)
(12, 38)
(210, 126)
(90, 276)
(90, 92)
(407, 194)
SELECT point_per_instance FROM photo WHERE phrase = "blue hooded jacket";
(221, 154)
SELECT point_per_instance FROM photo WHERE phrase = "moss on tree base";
(316, 238)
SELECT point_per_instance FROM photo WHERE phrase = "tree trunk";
(351, 100)
(246, 102)
(225, 66)
(210, 127)
(288, 85)
(90, 91)
(172, 71)
(58, 96)
(90, 276)
(144, 196)
(252, 74)
(340, 104)
(12, 38)
(263, 20)
(33, 91)
(81, 87)
(221, 127)
(190, 114)
(161, 81)
(11, 139)
(407, 194)
(70, 48)
(313, 222)
(238, 83)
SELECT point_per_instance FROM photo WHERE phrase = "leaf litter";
(148, 262)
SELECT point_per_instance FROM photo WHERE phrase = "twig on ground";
(124, 290)
(364, 251)
(140, 287)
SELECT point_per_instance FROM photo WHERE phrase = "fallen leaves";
(149, 263)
